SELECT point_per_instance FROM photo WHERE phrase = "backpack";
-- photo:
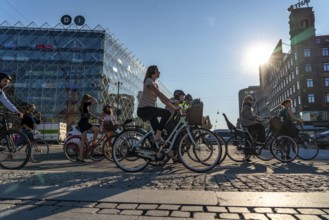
(194, 112)
(276, 124)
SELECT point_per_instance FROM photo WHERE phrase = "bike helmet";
(178, 93)
(5, 75)
(188, 97)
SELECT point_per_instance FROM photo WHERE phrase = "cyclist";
(288, 117)
(251, 121)
(84, 124)
(187, 101)
(147, 103)
(5, 79)
(28, 121)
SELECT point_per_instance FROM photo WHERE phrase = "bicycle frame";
(170, 140)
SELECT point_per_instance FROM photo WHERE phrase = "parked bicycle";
(242, 145)
(134, 149)
(15, 147)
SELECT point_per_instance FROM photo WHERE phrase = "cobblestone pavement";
(169, 181)
(109, 210)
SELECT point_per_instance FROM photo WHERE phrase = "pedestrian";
(85, 126)
(5, 79)
(289, 119)
(29, 120)
(251, 121)
(147, 104)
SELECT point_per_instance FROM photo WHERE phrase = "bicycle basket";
(194, 112)
(276, 124)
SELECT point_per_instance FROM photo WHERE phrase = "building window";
(307, 52)
(326, 82)
(308, 68)
(295, 55)
(325, 52)
(299, 100)
(296, 70)
(318, 40)
(309, 82)
(326, 66)
(297, 85)
(327, 97)
(311, 98)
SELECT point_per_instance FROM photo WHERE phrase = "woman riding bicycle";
(147, 104)
(84, 124)
(288, 117)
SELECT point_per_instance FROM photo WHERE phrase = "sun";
(255, 55)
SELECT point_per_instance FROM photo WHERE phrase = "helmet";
(177, 93)
(188, 97)
(5, 75)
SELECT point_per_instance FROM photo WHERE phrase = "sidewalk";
(42, 201)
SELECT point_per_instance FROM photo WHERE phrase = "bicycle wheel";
(71, 148)
(39, 150)
(97, 152)
(238, 149)
(202, 152)
(284, 148)
(15, 150)
(224, 149)
(128, 152)
(308, 148)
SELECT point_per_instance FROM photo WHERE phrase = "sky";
(210, 49)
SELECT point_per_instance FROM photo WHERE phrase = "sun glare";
(255, 55)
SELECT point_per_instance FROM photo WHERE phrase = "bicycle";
(242, 145)
(134, 149)
(308, 147)
(39, 148)
(15, 146)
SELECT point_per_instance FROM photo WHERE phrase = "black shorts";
(84, 125)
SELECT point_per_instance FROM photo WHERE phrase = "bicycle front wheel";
(284, 148)
(202, 152)
(130, 152)
(308, 149)
(15, 150)
(39, 151)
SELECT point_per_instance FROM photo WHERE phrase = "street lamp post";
(118, 99)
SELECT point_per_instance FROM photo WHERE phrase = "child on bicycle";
(29, 120)
(84, 124)
(177, 100)
(108, 120)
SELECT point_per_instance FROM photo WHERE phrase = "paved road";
(57, 188)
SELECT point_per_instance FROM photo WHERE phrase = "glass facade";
(54, 67)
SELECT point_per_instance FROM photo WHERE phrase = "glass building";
(53, 67)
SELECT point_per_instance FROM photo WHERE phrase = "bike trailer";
(194, 112)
